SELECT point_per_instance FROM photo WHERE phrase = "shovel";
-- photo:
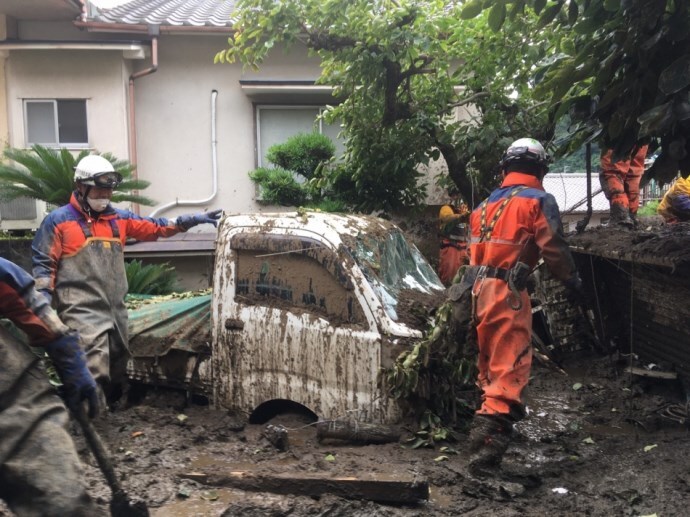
(120, 504)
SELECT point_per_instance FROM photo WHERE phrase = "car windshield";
(394, 267)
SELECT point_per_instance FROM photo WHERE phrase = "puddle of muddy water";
(207, 462)
(548, 416)
(199, 505)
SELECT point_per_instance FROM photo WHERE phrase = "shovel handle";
(99, 451)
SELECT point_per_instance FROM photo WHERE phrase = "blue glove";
(48, 295)
(70, 362)
(190, 220)
(575, 291)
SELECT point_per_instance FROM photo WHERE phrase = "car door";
(294, 326)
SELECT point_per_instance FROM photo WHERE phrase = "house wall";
(174, 123)
(98, 76)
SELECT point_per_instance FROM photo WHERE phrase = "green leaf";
(648, 448)
(612, 5)
(329, 457)
(549, 15)
(577, 386)
(588, 441)
(676, 76)
(440, 458)
(471, 9)
(497, 16)
(573, 10)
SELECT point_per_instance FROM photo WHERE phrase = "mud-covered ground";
(601, 443)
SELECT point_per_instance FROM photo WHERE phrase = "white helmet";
(525, 150)
(96, 171)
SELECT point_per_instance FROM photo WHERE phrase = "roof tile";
(194, 13)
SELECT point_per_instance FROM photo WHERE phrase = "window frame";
(56, 128)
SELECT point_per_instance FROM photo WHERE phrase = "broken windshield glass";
(393, 266)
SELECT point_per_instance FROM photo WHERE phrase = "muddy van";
(307, 308)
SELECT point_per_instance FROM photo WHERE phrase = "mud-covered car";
(307, 308)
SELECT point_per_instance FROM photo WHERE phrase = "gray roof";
(191, 13)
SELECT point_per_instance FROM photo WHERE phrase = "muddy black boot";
(488, 441)
(620, 215)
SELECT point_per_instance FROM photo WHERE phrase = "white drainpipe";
(214, 167)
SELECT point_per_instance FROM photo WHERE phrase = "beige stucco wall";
(4, 125)
(98, 76)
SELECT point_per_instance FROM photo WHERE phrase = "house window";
(275, 124)
(56, 122)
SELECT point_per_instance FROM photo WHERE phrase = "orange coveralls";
(514, 224)
(620, 181)
(453, 233)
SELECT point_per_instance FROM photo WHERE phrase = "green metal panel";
(171, 324)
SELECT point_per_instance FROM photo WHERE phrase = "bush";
(302, 153)
(648, 209)
(278, 187)
(155, 279)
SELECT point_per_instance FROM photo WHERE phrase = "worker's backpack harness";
(515, 277)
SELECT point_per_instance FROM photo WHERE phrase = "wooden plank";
(379, 487)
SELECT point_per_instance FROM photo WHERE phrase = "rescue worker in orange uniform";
(78, 260)
(510, 230)
(620, 182)
(453, 232)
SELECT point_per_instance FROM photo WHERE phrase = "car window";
(296, 276)
(398, 272)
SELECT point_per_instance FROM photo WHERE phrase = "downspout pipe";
(214, 168)
(153, 31)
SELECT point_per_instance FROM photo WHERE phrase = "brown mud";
(601, 443)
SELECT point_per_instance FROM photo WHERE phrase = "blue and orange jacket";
(529, 226)
(61, 235)
(26, 308)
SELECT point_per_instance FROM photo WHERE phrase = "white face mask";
(98, 205)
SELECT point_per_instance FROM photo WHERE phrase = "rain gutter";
(153, 31)
(143, 28)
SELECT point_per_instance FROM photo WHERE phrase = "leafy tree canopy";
(621, 68)
(402, 70)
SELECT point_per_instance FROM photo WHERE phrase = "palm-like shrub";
(154, 279)
(48, 174)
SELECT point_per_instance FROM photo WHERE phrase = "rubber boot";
(620, 215)
(489, 439)
(635, 222)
